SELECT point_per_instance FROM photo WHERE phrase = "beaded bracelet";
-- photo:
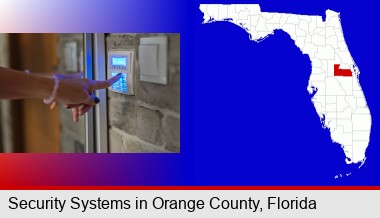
(54, 94)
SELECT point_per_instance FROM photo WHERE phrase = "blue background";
(255, 122)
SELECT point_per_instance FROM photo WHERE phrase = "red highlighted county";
(341, 72)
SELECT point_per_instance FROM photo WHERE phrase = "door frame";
(96, 126)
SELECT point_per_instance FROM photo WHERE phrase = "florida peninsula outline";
(334, 80)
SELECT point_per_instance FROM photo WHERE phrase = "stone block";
(172, 133)
(164, 96)
(149, 125)
(115, 142)
(174, 49)
(122, 115)
(121, 142)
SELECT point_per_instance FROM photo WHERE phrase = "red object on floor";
(341, 72)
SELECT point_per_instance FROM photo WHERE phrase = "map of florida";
(334, 80)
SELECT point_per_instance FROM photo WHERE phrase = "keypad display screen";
(119, 61)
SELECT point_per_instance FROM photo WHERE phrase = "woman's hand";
(75, 92)
(78, 93)
(60, 76)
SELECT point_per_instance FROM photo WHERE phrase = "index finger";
(106, 83)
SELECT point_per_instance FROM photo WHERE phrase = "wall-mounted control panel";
(121, 61)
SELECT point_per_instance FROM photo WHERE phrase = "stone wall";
(149, 121)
